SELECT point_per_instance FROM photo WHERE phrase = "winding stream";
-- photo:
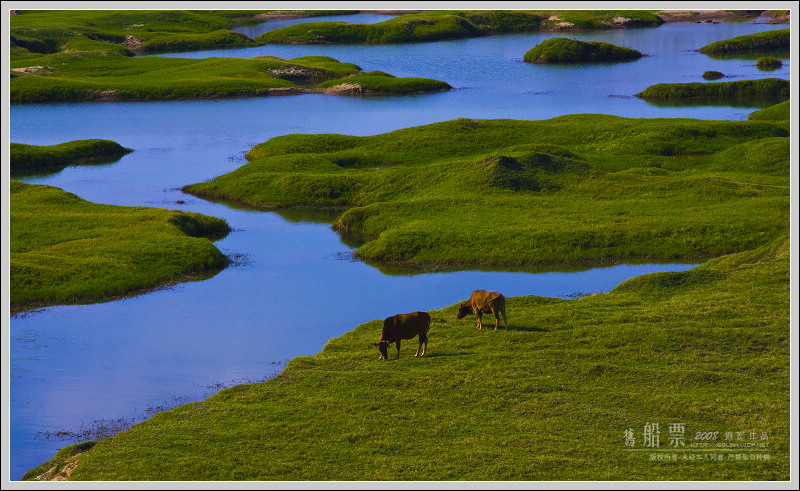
(78, 370)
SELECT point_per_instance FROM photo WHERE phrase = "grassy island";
(768, 63)
(34, 157)
(552, 398)
(455, 24)
(767, 88)
(563, 50)
(760, 41)
(712, 75)
(66, 250)
(110, 76)
(499, 193)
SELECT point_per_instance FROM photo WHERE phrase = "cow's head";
(382, 348)
(463, 310)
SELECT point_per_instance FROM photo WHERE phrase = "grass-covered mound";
(32, 157)
(550, 399)
(563, 50)
(455, 24)
(102, 76)
(503, 193)
(759, 41)
(767, 88)
(768, 63)
(712, 75)
(67, 250)
(778, 112)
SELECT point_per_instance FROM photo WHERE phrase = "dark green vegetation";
(713, 75)
(66, 250)
(452, 24)
(563, 50)
(101, 75)
(39, 32)
(778, 112)
(32, 157)
(549, 399)
(570, 190)
(768, 88)
(768, 63)
(767, 40)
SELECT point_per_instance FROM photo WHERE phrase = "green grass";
(103, 75)
(581, 189)
(549, 399)
(712, 75)
(768, 63)
(778, 112)
(66, 250)
(33, 157)
(145, 31)
(563, 50)
(455, 24)
(768, 40)
(768, 88)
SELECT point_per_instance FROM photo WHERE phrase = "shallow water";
(78, 367)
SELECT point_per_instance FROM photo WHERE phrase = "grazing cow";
(482, 302)
(404, 326)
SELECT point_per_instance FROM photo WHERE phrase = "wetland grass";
(35, 157)
(580, 189)
(66, 250)
(563, 50)
(549, 399)
(760, 41)
(455, 24)
(109, 76)
(768, 88)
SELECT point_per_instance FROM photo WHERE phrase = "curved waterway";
(79, 372)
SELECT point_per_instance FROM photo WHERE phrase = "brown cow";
(404, 326)
(482, 302)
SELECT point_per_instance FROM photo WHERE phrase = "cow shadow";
(527, 329)
(437, 355)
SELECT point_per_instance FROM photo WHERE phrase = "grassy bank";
(549, 399)
(456, 24)
(563, 50)
(103, 76)
(778, 112)
(768, 88)
(570, 190)
(768, 40)
(65, 250)
(33, 157)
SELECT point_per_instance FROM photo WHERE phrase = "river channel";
(80, 371)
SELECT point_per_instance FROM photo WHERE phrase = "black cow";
(404, 326)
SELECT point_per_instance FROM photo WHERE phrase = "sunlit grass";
(66, 250)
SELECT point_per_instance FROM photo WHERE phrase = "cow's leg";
(478, 315)
(398, 348)
(496, 319)
(504, 318)
(423, 345)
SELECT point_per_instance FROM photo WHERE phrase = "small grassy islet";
(564, 50)
(66, 250)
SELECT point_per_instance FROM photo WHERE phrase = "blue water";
(78, 367)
